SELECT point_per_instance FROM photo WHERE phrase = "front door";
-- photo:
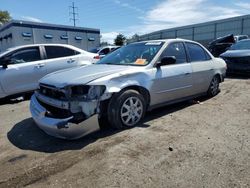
(174, 81)
(25, 69)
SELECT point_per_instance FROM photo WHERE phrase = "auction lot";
(200, 143)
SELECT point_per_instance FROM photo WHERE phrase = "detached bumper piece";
(61, 128)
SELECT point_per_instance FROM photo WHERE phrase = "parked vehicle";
(23, 66)
(237, 57)
(220, 45)
(103, 51)
(121, 87)
(238, 38)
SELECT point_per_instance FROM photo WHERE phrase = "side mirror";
(167, 60)
(5, 62)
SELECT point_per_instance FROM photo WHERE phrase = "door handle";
(71, 61)
(187, 73)
(40, 65)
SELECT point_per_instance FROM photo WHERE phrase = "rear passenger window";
(197, 53)
(176, 49)
(59, 51)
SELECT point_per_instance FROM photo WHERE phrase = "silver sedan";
(120, 88)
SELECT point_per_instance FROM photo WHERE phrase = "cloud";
(109, 37)
(126, 5)
(32, 19)
(243, 5)
(174, 13)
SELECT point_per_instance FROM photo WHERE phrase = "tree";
(4, 17)
(120, 40)
(135, 37)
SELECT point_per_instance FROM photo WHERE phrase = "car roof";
(168, 40)
(34, 45)
(244, 40)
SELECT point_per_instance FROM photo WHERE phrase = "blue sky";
(126, 16)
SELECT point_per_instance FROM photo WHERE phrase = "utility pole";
(73, 13)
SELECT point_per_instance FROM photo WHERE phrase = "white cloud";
(243, 5)
(126, 5)
(174, 13)
(109, 37)
(32, 19)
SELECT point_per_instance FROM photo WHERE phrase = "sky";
(126, 16)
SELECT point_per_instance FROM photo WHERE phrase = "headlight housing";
(87, 92)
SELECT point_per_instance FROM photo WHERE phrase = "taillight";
(97, 57)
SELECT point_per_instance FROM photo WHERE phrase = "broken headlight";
(87, 92)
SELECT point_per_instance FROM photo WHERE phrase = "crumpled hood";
(81, 75)
(236, 53)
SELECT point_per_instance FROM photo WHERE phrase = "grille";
(55, 112)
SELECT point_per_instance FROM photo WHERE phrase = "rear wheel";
(126, 109)
(214, 87)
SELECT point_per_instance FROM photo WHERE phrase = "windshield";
(133, 54)
(242, 45)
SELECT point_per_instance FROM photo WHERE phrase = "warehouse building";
(204, 32)
(16, 33)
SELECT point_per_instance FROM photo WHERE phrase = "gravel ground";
(200, 143)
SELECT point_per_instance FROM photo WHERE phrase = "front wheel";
(214, 87)
(126, 109)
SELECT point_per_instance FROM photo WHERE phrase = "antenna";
(74, 13)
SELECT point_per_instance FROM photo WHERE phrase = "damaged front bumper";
(61, 128)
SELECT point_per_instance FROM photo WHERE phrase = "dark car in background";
(237, 57)
(220, 45)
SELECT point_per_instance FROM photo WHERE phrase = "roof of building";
(21, 23)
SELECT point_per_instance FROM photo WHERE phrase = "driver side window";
(176, 49)
(25, 55)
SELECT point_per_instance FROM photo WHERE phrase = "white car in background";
(103, 51)
(21, 67)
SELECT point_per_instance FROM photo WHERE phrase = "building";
(204, 32)
(16, 33)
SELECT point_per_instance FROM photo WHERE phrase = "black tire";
(104, 123)
(118, 104)
(103, 118)
(214, 86)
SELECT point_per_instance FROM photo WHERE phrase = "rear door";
(202, 66)
(25, 69)
(59, 57)
(172, 82)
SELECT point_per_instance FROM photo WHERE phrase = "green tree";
(4, 17)
(120, 40)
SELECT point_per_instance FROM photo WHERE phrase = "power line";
(73, 13)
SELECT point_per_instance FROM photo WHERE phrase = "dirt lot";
(190, 144)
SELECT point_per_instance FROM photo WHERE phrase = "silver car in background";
(21, 67)
(121, 87)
